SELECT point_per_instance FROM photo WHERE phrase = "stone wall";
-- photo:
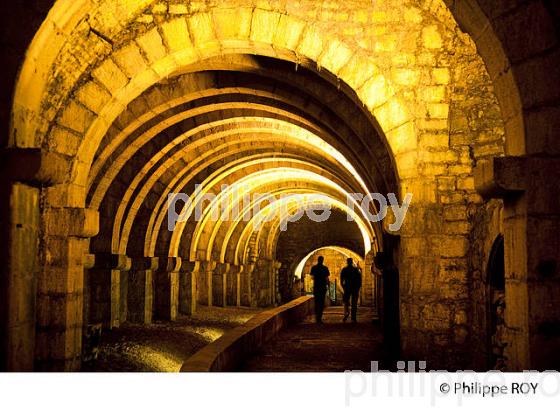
(398, 87)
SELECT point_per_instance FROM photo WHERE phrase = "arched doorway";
(335, 259)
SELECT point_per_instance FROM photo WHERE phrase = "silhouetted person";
(320, 274)
(351, 281)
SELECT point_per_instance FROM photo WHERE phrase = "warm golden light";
(168, 155)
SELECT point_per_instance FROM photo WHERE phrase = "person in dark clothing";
(351, 281)
(320, 274)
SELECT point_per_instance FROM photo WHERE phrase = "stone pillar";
(104, 298)
(246, 289)
(61, 287)
(166, 288)
(219, 284)
(377, 284)
(367, 297)
(204, 282)
(188, 297)
(275, 289)
(24, 172)
(141, 290)
(234, 285)
(19, 265)
(389, 302)
(262, 282)
(532, 255)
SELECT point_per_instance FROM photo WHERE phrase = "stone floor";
(164, 346)
(333, 346)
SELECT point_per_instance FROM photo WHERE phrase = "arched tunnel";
(161, 158)
(250, 142)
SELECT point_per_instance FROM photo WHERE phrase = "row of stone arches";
(109, 92)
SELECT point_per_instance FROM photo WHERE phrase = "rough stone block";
(110, 75)
(440, 75)
(335, 56)
(453, 246)
(223, 19)
(434, 140)
(79, 222)
(438, 110)
(176, 34)
(263, 26)
(403, 138)
(431, 37)
(375, 92)
(201, 28)
(289, 31)
(152, 45)
(357, 71)
(392, 114)
(405, 76)
(76, 117)
(93, 96)
(311, 45)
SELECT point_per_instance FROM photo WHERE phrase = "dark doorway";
(496, 305)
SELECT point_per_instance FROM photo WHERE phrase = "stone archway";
(77, 102)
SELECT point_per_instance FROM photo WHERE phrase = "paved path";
(330, 347)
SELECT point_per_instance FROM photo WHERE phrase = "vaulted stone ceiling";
(126, 102)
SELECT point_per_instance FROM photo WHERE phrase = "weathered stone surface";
(77, 222)
(114, 108)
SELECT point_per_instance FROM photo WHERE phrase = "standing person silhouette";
(351, 281)
(320, 274)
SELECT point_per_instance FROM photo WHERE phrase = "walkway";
(330, 347)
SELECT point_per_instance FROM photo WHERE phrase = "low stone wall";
(229, 351)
